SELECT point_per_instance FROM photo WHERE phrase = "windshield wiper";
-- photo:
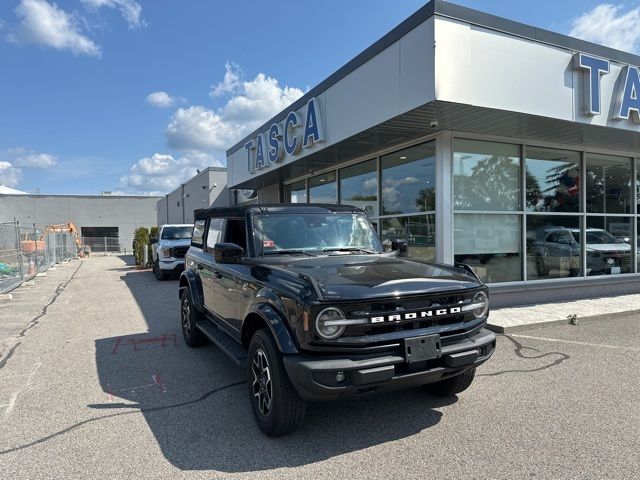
(347, 249)
(288, 252)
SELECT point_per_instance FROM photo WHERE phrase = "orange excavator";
(38, 244)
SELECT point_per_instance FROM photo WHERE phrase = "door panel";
(209, 281)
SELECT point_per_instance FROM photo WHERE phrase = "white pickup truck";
(169, 249)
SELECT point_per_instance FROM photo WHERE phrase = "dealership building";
(475, 139)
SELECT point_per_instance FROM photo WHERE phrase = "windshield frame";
(177, 228)
(258, 251)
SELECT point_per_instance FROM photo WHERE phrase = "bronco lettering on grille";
(439, 312)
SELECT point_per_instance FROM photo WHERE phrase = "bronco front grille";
(390, 308)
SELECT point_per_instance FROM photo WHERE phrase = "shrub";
(140, 240)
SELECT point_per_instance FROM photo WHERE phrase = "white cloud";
(163, 100)
(13, 160)
(9, 175)
(21, 157)
(231, 82)
(161, 173)
(44, 23)
(608, 25)
(203, 134)
(198, 128)
(129, 9)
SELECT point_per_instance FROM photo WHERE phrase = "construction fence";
(108, 244)
(25, 252)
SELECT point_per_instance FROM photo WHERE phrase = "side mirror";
(401, 247)
(153, 241)
(227, 253)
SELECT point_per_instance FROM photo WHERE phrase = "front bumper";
(315, 378)
(172, 265)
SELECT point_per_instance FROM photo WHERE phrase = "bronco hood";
(374, 276)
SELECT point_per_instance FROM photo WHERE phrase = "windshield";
(600, 236)
(176, 233)
(281, 232)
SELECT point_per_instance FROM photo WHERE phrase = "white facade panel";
(417, 79)
(366, 97)
(485, 68)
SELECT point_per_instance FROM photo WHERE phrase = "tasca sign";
(286, 138)
(627, 101)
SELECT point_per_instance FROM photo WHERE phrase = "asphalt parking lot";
(96, 382)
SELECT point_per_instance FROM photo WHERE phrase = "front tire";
(189, 317)
(277, 407)
(161, 275)
(453, 385)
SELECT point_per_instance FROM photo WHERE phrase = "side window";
(215, 231)
(198, 233)
(236, 233)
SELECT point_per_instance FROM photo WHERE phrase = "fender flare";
(194, 286)
(277, 326)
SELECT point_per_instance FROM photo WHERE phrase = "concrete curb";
(564, 321)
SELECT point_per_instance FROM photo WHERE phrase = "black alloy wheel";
(277, 407)
(188, 319)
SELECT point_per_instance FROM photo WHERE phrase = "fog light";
(340, 377)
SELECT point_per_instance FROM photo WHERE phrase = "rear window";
(198, 233)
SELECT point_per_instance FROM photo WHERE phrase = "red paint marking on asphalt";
(163, 340)
(156, 380)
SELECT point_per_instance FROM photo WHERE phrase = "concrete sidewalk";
(525, 317)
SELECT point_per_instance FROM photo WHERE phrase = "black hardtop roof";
(241, 210)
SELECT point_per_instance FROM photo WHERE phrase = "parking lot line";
(575, 342)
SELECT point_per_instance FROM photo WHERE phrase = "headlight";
(479, 305)
(166, 252)
(330, 323)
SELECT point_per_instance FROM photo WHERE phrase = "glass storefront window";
(297, 192)
(359, 187)
(322, 189)
(490, 244)
(486, 176)
(553, 180)
(552, 248)
(409, 180)
(608, 245)
(418, 231)
(608, 184)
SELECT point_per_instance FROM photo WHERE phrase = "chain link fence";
(26, 251)
(108, 244)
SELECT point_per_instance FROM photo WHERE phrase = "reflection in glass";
(409, 180)
(608, 184)
(418, 231)
(359, 187)
(608, 245)
(490, 244)
(486, 176)
(297, 192)
(552, 248)
(322, 189)
(553, 180)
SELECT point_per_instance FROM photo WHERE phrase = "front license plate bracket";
(419, 349)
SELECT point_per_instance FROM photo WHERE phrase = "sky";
(133, 96)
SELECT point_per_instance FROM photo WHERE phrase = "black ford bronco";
(305, 297)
